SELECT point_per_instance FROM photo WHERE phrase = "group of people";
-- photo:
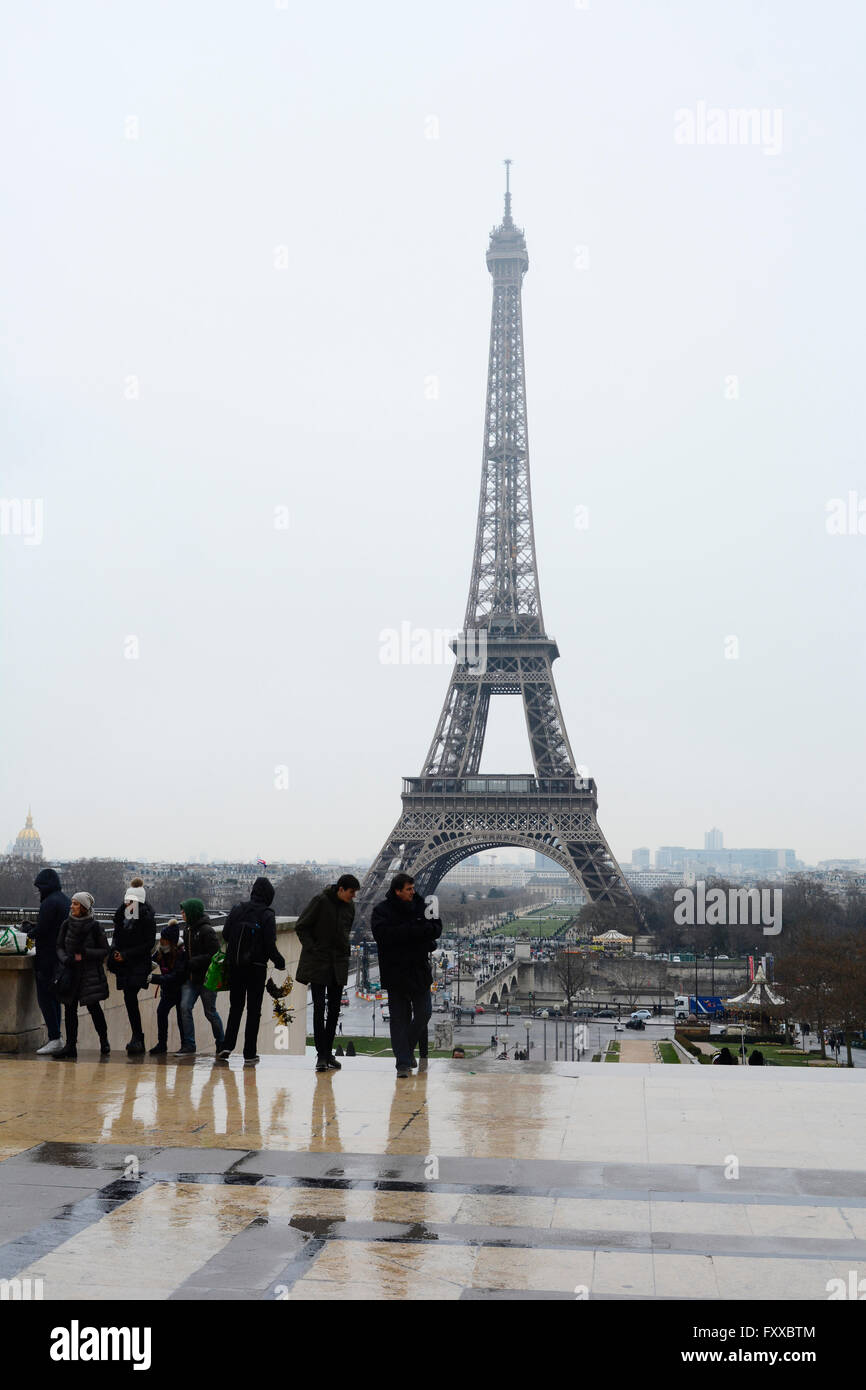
(73, 956)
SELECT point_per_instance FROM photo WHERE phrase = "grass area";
(612, 1054)
(668, 1052)
(779, 1056)
(597, 1057)
(381, 1047)
(538, 926)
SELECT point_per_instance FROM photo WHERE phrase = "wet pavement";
(137, 1178)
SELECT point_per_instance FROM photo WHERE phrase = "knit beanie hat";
(86, 900)
(194, 909)
(134, 894)
(170, 932)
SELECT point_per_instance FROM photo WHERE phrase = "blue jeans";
(408, 1016)
(49, 1005)
(188, 996)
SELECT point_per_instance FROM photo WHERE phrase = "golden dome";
(28, 838)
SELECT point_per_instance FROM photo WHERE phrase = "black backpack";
(248, 936)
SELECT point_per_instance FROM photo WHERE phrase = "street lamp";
(527, 1025)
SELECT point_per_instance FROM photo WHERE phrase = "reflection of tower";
(27, 842)
(451, 811)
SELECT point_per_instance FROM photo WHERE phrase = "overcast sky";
(243, 247)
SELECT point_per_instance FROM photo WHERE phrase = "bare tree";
(572, 972)
(634, 979)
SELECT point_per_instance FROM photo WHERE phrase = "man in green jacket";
(323, 930)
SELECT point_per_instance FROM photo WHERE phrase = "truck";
(701, 1006)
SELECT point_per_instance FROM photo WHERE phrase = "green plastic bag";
(217, 976)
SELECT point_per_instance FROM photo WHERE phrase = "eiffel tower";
(451, 811)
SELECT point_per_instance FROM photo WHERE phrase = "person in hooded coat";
(131, 951)
(250, 936)
(170, 973)
(53, 911)
(323, 929)
(201, 945)
(405, 936)
(81, 948)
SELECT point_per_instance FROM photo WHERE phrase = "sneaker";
(422, 1063)
(65, 1054)
(185, 1051)
(158, 1050)
(403, 1072)
(333, 1065)
(251, 1061)
(321, 1065)
(53, 1045)
(223, 1053)
(412, 1063)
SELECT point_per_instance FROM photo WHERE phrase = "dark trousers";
(167, 1002)
(325, 1027)
(71, 1015)
(50, 1007)
(133, 1013)
(408, 1015)
(246, 990)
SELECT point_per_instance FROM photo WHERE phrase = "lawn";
(779, 1056)
(539, 926)
(668, 1052)
(381, 1047)
(612, 1054)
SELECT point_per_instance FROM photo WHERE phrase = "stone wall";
(22, 1028)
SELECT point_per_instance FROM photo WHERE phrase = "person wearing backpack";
(250, 936)
(201, 945)
(81, 949)
(131, 949)
(323, 930)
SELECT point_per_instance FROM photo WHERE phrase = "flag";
(262, 862)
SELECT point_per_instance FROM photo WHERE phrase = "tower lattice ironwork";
(452, 811)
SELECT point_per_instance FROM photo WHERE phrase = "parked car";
(636, 1023)
(605, 1013)
(344, 1002)
(479, 1008)
(642, 1013)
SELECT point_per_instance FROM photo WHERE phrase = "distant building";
(713, 839)
(27, 842)
(640, 858)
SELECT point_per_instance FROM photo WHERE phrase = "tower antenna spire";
(507, 163)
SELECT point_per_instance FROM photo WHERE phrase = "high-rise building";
(713, 839)
(640, 858)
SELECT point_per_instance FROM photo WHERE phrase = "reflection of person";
(82, 947)
(405, 936)
(323, 930)
(132, 947)
(53, 912)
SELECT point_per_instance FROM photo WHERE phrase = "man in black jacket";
(54, 908)
(405, 935)
(250, 936)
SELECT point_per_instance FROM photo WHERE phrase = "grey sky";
(308, 387)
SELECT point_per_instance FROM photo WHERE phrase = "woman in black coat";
(132, 951)
(81, 949)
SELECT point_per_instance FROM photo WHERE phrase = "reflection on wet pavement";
(200, 1181)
